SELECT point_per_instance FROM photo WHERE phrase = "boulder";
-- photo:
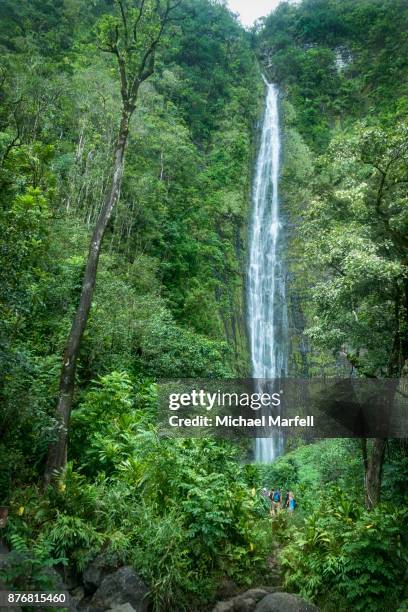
(122, 608)
(245, 602)
(51, 575)
(77, 595)
(57, 585)
(284, 602)
(11, 559)
(96, 571)
(71, 578)
(3, 587)
(4, 549)
(54, 579)
(23, 559)
(122, 587)
(226, 589)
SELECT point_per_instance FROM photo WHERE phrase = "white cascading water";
(267, 309)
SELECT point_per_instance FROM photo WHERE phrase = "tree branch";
(124, 20)
(123, 76)
(137, 20)
(16, 141)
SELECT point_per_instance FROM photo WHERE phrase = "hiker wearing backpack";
(291, 502)
(276, 500)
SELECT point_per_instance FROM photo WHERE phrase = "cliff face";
(297, 168)
(343, 87)
(234, 210)
(298, 172)
(231, 297)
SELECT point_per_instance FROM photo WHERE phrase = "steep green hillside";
(343, 71)
(170, 289)
(151, 109)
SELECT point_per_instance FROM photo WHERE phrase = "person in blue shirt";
(291, 504)
(276, 500)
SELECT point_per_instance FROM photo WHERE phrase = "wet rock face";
(263, 599)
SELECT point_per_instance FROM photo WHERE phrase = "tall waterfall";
(267, 310)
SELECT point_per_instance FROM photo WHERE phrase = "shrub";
(344, 553)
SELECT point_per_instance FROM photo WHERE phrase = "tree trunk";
(373, 472)
(57, 452)
(373, 462)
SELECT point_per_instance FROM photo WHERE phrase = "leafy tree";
(355, 232)
(345, 553)
(133, 39)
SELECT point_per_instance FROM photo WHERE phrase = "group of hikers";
(279, 501)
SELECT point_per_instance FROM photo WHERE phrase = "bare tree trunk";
(57, 452)
(373, 472)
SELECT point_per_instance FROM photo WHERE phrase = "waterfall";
(267, 310)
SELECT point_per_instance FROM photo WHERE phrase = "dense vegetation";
(334, 551)
(169, 296)
(169, 293)
(173, 257)
(342, 66)
(339, 62)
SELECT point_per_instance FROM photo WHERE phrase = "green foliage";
(174, 276)
(344, 553)
(103, 424)
(338, 59)
(169, 295)
(73, 537)
(354, 234)
(29, 569)
(180, 511)
(24, 241)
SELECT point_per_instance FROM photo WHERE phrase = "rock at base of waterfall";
(284, 602)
